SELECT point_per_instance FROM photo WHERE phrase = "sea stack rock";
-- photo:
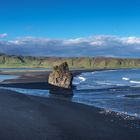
(61, 79)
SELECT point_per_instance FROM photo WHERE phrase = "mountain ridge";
(13, 61)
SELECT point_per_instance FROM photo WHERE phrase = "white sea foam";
(120, 84)
(135, 82)
(125, 78)
(82, 78)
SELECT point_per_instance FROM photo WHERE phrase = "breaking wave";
(135, 82)
(125, 78)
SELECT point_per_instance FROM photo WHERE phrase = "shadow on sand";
(59, 91)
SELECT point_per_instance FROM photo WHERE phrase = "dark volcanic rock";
(61, 80)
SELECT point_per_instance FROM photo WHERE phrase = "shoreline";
(31, 76)
(41, 118)
(56, 118)
(43, 85)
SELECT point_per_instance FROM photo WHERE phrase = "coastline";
(55, 118)
(38, 118)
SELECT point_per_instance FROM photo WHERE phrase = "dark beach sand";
(32, 80)
(25, 117)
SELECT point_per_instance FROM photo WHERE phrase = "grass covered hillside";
(7, 61)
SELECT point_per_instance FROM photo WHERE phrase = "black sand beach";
(25, 117)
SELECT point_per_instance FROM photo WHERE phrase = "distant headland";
(13, 61)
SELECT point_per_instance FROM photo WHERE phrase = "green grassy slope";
(7, 61)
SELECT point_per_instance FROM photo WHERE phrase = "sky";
(107, 27)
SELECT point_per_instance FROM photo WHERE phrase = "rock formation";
(61, 79)
(61, 76)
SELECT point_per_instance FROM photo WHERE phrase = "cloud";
(101, 45)
(3, 35)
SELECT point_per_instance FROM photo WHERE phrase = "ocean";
(113, 90)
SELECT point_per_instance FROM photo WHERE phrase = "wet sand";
(25, 117)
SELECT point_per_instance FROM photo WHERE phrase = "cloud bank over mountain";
(101, 45)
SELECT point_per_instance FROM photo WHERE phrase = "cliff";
(73, 62)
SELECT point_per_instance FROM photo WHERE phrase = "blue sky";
(69, 18)
(32, 22)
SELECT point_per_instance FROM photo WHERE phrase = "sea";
(113, 90)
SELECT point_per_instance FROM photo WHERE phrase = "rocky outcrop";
(61, 80)
(61, 76)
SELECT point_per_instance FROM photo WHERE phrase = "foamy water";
(125, 78)
(106, 79)
(116, 90)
